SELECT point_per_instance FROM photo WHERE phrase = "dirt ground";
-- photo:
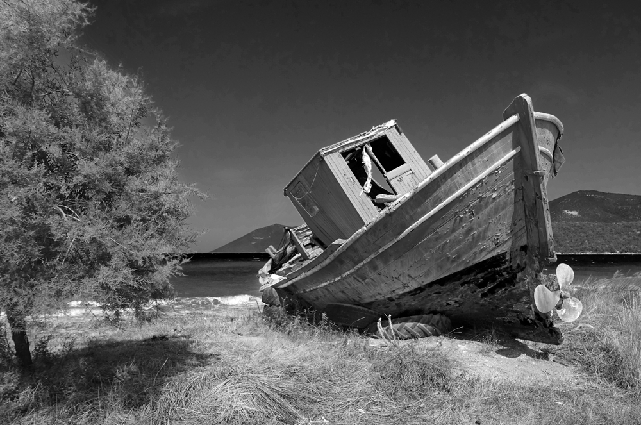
(515, 361)
(491, 357)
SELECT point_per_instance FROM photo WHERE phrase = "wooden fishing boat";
(388, 234)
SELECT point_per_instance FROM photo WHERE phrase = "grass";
(606, 340)
(236, 367)
(597, 237)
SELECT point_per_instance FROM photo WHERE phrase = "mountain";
(255, 241)
(596, 207)
(582, 221)
(592, 221)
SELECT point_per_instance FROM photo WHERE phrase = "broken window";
(386, 154)
(357, 160)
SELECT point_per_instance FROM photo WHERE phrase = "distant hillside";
(255, 241)
(583, 221)
(596, 207)
(592, 221)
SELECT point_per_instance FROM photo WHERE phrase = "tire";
(413, 327)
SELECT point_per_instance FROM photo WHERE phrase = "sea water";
(229, 281)
(593, 272)
(236, 282)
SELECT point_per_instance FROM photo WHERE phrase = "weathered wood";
(459, 242)
(335, 215)
(331, 248)
(299, 246)
(404, 179)
(538, 221)
(355, 195)
(385, 199)
(329, 197)
(394, 222)
(435, 162)
(368, 148)
(418, 245)
(271, 251)
(409, 153)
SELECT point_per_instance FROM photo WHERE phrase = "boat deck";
(312, 249)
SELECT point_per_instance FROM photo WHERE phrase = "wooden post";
(435, 162)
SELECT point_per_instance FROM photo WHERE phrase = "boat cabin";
(347, 185)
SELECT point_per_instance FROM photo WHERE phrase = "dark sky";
(254, 88)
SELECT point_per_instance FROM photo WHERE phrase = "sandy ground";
(518, 362)
(515, 361)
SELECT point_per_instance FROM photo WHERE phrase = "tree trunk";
(18, 326)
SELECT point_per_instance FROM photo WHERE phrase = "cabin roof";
(357, 140)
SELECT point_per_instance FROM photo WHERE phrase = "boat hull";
(468, 242)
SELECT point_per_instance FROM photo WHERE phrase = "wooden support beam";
(271, 251)
(299, 246)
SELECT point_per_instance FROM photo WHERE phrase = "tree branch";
(64, 216)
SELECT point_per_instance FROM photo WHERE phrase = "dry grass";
(606, 340)
(235, 367)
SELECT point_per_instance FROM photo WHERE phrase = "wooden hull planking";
(467, 242)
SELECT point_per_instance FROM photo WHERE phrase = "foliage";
(90, 201)
(574, 237)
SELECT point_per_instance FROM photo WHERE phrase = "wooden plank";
(381, 269)
(360, 139)
(337, 205)
(315, 281)
(320, 225)
(405, 182)
(408, 153)
(394, 223)
(299, 246)
(442, 252)
(334, 215)
(394, 220)
(352, 189)
(398, 171)
(331, 248)
(271, 251)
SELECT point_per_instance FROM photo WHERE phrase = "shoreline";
(178, 305)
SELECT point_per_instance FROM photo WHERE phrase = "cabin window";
(386, 154)
(380, 185)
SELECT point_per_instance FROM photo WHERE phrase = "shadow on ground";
(502, 343)
(129, 373)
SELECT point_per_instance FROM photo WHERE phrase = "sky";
(253, 89)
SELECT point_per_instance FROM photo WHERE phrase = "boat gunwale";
(506, 124)
(550, 118)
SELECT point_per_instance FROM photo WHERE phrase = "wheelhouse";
(347, 185)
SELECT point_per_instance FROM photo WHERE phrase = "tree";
(90, 201)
